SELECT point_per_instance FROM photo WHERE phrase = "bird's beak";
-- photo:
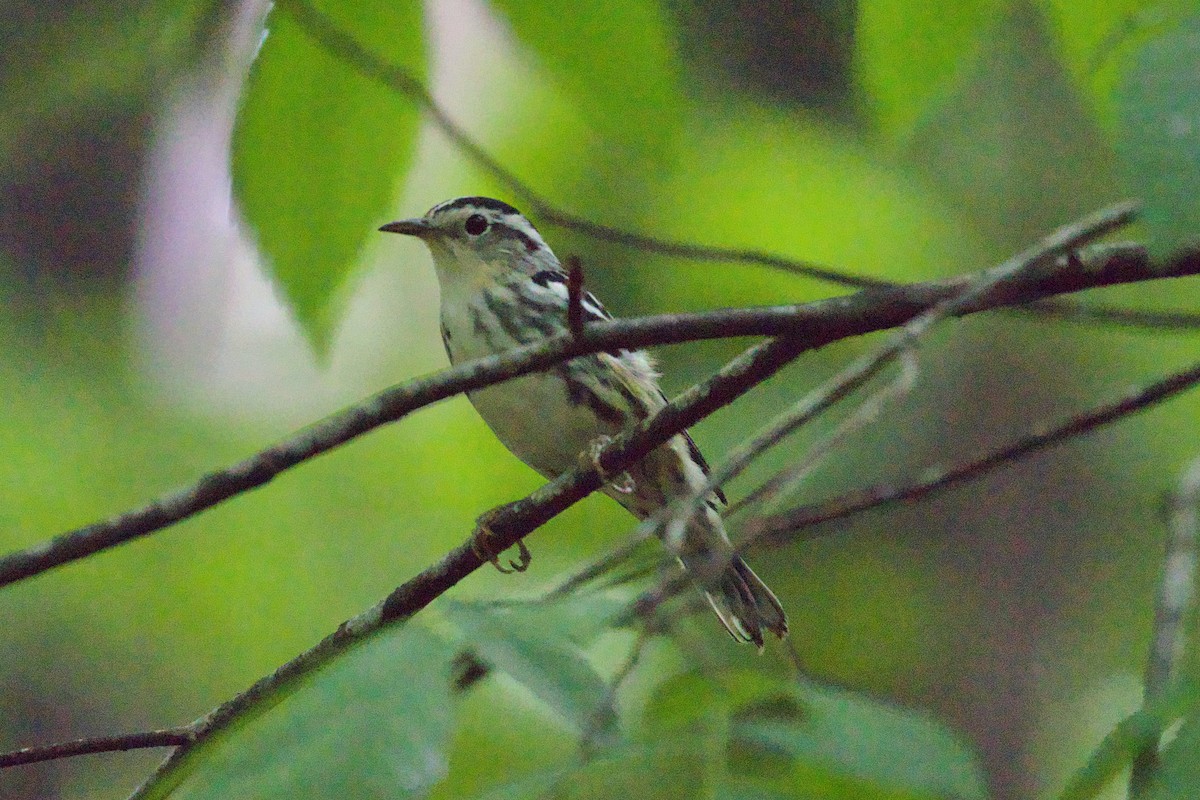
(409, 227)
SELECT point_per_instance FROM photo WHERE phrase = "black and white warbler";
(501, 287)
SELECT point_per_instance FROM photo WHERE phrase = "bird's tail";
(745, 605)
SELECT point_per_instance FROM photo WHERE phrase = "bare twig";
(510, 524)
(168, 737)
(787, 523)
(816, 324)
(783, 481)
(574, 296)
(991, 283)
(350, 52)
(1175, 593)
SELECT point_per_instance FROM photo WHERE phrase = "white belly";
(531, 415)
(533, 418)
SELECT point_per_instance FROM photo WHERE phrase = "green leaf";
(1158, 140)
(667, 768)
(1178, 770)
(1094, 38)
(832, 735)
(682, 701)
(319, 149)
(910, 55)
(616, 60)
(513, 641)
(373, 722)
(1131, 736)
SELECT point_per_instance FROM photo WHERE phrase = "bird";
(502, 287)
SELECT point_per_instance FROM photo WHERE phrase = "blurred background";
(144, 341)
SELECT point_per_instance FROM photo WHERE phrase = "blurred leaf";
(1178, 771)
(666, 768)
(1135, 732)
(891, 751)
(681, 701)
(1091, 36)
(618, 62)
(1013, 145)
(59, 66)
(910, 55)
(669, 768)
(1158, 141)
(373, 722)
(547, 663)
(744, 790)
(319, 150)
(578, 617)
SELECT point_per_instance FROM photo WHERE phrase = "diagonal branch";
(509, 525)
(516, 520)
(353, 54)
(813, 324)
(169, 737)
(350, 52)
(798, 524)
(788, 523)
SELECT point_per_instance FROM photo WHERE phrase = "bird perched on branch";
(502, 287)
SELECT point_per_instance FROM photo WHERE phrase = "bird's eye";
(476, 224)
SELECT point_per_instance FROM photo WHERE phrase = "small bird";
(502, 287)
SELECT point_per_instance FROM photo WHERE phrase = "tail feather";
(745, 605)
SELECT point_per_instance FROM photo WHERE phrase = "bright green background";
(882, 138)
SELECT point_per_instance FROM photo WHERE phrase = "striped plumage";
(501, 286)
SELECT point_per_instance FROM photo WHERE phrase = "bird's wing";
(698, 457)
(594, 311)
(556, 281)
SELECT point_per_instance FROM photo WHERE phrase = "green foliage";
(613, 129)
(373, 722)
(319, 151)
(909, 56)
(1178, 772)
(835, 738)
(543, 659)
(1158, 104)
(1136, 733)
(616, 61)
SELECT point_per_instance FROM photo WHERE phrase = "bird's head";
(477, 237)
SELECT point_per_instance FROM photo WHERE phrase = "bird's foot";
(484, 544)
(622, 481)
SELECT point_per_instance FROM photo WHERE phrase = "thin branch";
(575, 315)
(798, 524)
(991, 283)
(786, 524)
(869, 411)
(812, 324)
(350, 52)
(511, 523)
(168, 737)
(1175, 594)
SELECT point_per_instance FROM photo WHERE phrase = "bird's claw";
(483, 544)
(622, 481)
